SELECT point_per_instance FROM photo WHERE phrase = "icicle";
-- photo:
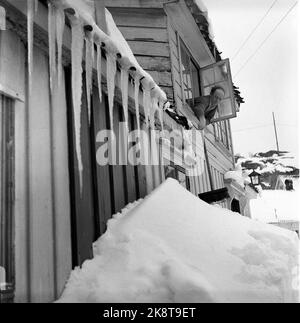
(110, 75)
(136, 98)
(124, 90)
(52, 43)
(60, 26)
(146, 100)
(99, 71)
(89, 61)
(154, 108)
(30, 17)
(161, 114)
(77, 53)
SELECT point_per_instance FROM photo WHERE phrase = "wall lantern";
(255, 178)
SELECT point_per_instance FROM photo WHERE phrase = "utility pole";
(275, 129)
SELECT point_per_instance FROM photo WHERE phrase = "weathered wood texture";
(137, 3)
(42, 213)
(107, 188)
(147, 35)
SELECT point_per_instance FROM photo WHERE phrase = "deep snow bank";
(275, 205)
(172, 247)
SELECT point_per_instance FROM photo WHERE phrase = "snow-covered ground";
(173, 247)
(274, 206)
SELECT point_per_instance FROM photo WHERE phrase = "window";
(219, 74)
(6, 194)
(178, 173)
(196, 82)
(221, 132)
(190, 74)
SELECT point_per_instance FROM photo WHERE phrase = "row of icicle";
(153, 100)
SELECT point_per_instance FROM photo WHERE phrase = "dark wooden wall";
(7, 144)
(106, 189)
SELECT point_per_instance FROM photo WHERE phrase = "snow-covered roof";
(164, 249)
(114, 41)
(201, 6)
(200, 14)
(280, 163)
(238, 176)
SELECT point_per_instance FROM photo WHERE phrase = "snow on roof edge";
(85, 12)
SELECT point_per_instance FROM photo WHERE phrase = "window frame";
(182, 46)
(225, 62)
(221, 133)
(7, 192)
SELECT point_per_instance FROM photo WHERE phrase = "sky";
(269, 81)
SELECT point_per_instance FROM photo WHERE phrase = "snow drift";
(275, 206)
(173, 247)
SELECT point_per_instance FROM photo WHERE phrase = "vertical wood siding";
(41, 210)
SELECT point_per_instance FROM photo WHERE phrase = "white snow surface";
(173, 247)
(238, 176)
(274, 206)
(282, 164)
(202, 7)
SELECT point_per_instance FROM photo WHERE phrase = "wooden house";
(50, 212)
(171, 40)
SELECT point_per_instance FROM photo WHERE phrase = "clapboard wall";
(146, 32)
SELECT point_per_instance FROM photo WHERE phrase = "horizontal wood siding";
(128, 17)
(176, 77)
(143, 33)
(162, 64)
(149, 48)
(147, 35)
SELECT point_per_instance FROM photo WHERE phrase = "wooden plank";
(10, 53)
(61, 189)
(172, 33)
(139, 18)
(82, 202)
(169, 91)
(175, 64)
(162, 78)
(140, 172)
(146, 34)
(131, 179)
(148, 167)
(149, 48)
(40, 234)
(137, 3)
(177, 90)
(161, 64)
(103, 172)
(118, 171)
